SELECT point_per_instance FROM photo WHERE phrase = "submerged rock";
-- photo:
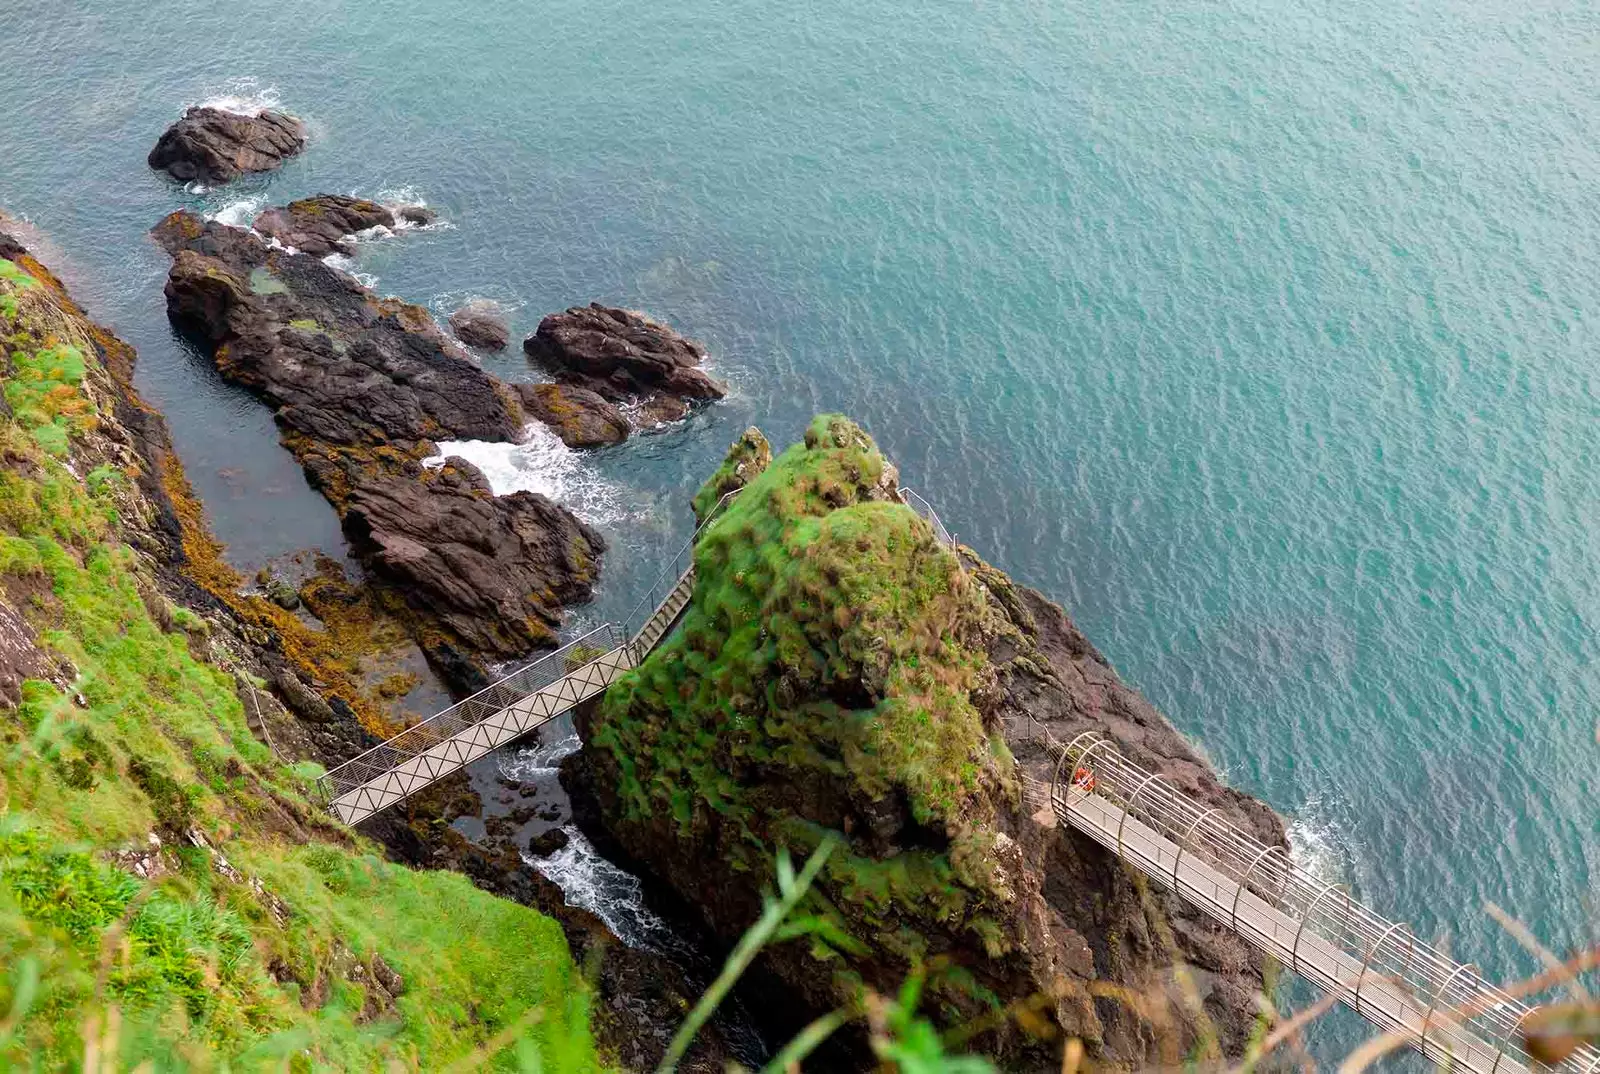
(482, 325)
(840, 670)
(362, 387)
(324, 224)
(215, 146)
(578, 416)
(625, 357)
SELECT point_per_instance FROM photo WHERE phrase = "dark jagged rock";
(325, 224)
(362, 387)
(20, 656)
(499, 568)
(890, 696)
(481, 325)
(215, 146)
(578, 416)
(548, 842)
(625, 357)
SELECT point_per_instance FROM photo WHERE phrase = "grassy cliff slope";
(166, 891)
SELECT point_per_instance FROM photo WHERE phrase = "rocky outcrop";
(839, 670)
(625, 357)
(481, 325)
(578, 416)
(748, 457)
(499, 567)
(362, 387)
(216, 146)
(325, 224)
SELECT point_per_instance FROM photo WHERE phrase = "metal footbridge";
(1379, 968)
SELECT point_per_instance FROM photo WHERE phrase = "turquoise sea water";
(1261, 333)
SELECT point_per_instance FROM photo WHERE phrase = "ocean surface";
(1263, 334)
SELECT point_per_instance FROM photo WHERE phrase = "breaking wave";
(244, 97)
(541, 463)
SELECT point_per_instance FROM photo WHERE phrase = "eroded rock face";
(578, 416)
(215, 146)
(325, 224)
(481, 325)
(362, 387)
(625, 357)
(499, 567)
(841, 671)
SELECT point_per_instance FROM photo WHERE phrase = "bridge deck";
(1273, 931)
(495, 730)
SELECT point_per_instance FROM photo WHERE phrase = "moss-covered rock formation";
(840, 670)
(167, 892)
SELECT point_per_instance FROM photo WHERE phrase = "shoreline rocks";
(324, 224)
(215, 146)
(481, 325)
(578, 416)
(624, 357)
(362, 388)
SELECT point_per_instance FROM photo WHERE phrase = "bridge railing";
(420, 737)
(914, 500)
(681, 561)
(1462, 1017)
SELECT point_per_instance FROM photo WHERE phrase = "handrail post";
(1459, 970)
(1238, 893)
(1127, 809)
(1371, 951)
(1188, 835)
(1294, 952)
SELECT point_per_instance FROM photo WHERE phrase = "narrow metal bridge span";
(1377, 967)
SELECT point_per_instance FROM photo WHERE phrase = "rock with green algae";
(748, 457)
(839, 670)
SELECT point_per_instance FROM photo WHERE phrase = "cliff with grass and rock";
(840, 673)
(168, 892)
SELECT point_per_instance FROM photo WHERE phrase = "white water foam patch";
(534, 763)
(607, 891)
(540, 463)
(1317, 845)
(244, 96)
(347, 265)
(239, 213)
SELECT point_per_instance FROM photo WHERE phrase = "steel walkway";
(1377, 967)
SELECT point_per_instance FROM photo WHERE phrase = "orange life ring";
(1083, 779)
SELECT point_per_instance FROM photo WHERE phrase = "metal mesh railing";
(1378, 967)
(922, 507)
(674, 570)
(526, 680)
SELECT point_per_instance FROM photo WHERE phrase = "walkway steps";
(666, 616)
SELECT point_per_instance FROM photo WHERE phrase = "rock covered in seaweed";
(578, 416)
(840, 670)
(324, 224)
(625, 357)
(362, 387)
(214, 146)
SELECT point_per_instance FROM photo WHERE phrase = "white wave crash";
(540, 463)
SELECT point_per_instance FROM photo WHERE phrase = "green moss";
(831, 642)
(245, 958)
(306, 324)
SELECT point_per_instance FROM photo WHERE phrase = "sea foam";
(243, 97)
(540, 463)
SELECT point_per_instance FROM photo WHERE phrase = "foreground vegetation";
(167, 893)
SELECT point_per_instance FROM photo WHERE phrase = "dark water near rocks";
(1262, 334)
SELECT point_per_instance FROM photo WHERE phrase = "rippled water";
(1262, 333)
